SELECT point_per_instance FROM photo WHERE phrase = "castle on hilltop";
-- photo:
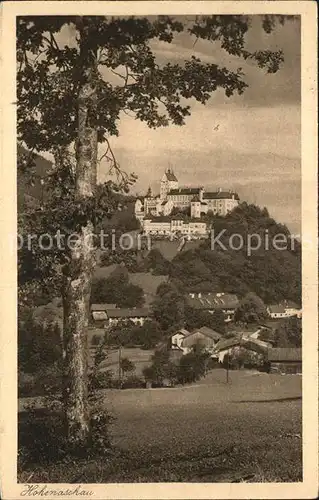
(196, 199)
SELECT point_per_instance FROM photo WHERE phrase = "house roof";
(270, 324)
(138, 312)
(185, 190)
(102, 307)
(284, 354)
(224, 344)
(255, 345)
(170, 176)
(208, 332)
(220, 195)
(213, 301)
(183, 331)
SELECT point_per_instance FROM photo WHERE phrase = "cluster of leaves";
(251, 309)
(117, 290)
(128, 334)
(289, 333)
(195, 318)
(190, 368)
(49, 74)
(134, 260)
(48, 231)
(39, 345)
(239, 357)
(42, 437)
(168, 307)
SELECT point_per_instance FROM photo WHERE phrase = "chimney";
(199, 295)
(219, 190)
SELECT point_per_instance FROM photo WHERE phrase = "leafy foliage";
(127, 366)
(195, 318)
(192, 366)
(117, 290)
(289, 333)
(147, 335)
(161, 369)
(168, 307)
(39, 345)
(251, 309)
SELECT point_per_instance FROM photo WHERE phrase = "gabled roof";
(224, 344)
(208, 332)
(256, 345)
(195, 198)
(182, 331)
(220, 195)
(138, 312)
(213, 301)
(102, 307)
(284, 354)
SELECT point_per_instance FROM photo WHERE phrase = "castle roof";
(189, 191)
(221, 195)
(170, 176)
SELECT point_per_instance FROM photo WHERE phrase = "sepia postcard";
(159, 250)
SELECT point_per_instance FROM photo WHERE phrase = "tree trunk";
(78, 273)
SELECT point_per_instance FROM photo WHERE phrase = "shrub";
(96, 339)
(133, 382)
(161, 369)
(192, 366)
(42, 436)
(39, 384)
(39, 346)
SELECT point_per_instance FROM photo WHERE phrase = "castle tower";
(169, 181)
(195, 207)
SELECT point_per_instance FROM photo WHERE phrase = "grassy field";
(209, 432)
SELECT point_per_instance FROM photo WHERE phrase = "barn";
(285, 360)
(204, 336)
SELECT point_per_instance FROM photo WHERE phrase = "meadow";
(246, 430)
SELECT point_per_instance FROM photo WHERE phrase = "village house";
(285, 309)
(98, 311)
(242, 340)
(225, 346)
(114, 315)
(177, 338)
(212, 302)
(285, 360)
(205, 337)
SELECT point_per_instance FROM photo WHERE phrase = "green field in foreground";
(208, 432)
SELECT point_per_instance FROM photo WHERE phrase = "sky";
(256, 149)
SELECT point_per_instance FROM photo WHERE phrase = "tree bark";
(78, 272)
